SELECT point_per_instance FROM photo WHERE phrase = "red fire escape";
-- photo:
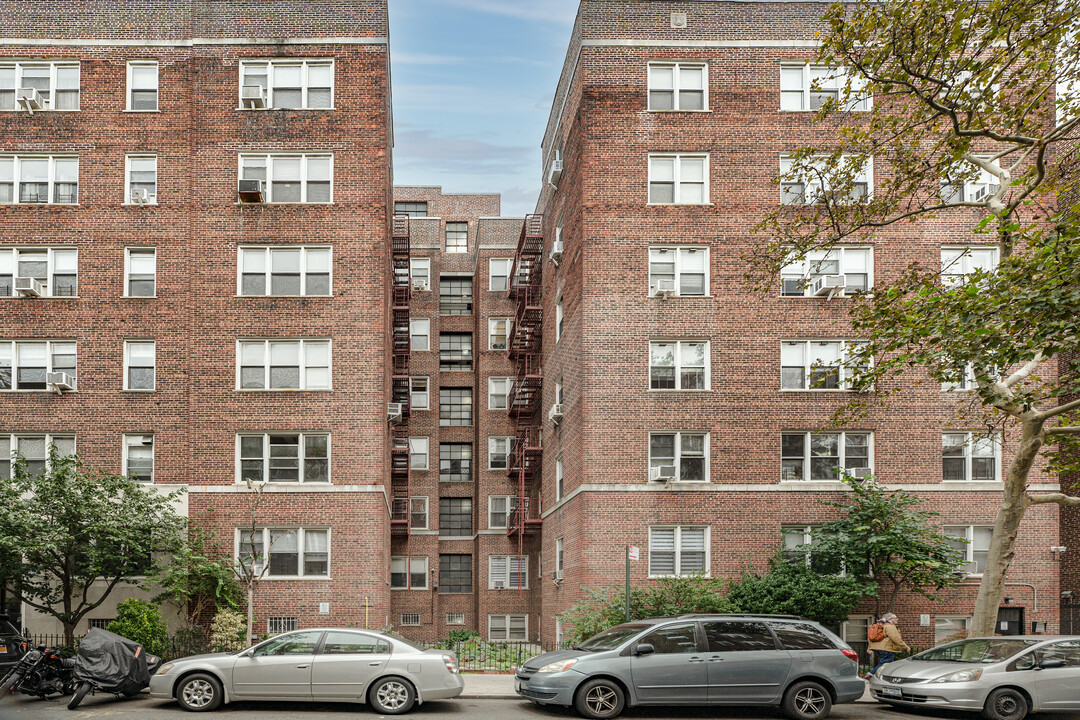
(398, 409)
(524, 348)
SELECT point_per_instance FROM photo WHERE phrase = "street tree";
(199, 578)
(963, 124)
(73, 533)
(253, 562)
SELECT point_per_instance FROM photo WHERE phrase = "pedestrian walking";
(885, 640)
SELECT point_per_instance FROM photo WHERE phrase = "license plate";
(890, 692)
(517, 686)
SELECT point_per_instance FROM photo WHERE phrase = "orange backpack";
(876, 632)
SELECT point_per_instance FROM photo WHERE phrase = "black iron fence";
(170, 649)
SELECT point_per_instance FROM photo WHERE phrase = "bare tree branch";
(1060, 410)
(1051, 499)
(1023, 373)
(1065, 430)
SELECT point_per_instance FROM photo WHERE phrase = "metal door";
(1010, 621)
(280, 667)
(675, 672)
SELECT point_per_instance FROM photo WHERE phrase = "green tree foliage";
(963, 93)
(228, 631)
(199, 578)
(140, 621)
(75, 533)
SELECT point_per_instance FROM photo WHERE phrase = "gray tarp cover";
(112, 661)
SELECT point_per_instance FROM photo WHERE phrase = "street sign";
(635, 553)
(324, 608)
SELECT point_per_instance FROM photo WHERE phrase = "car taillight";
(451, 665)
(851, 655)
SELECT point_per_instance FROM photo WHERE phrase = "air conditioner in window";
(555, 173)
(142, 197)
(985, 191)
(557, 575)
(556, 251)
(555, 414)
(30, 99)
(419, 283)
(860, 473)
(394, 412)
(59, 381)
(252, 97)
(665, 288)
(250, 191)
(498, 584)
(827, 285)
(28, 287)
(663, 473)
(144, 439)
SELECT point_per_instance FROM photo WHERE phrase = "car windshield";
(7, 628)
(985, 650)
(612, 637)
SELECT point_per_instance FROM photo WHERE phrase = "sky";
(472, 84)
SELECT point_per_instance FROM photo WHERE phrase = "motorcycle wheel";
(10, 683)
(80, 693)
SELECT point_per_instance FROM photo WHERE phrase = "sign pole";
(627, 583)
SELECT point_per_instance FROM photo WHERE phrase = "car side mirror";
(250, 652)
(644, 649)
(1052, 662)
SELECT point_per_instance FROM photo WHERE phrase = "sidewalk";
(501, 686)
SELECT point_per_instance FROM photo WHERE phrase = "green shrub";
(140, 621)
(458, 637)
(228, 631)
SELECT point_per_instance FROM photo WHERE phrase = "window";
(25, 364)
(969, 457)
(141, 180)
(559, 556)
(34, 449)
(966, 379)
(419, 334)
(303, 178)
(455, 462)
(419, 393)
(291, 84)
(679, 365)
(285, 552)
(508, 628)
(99, 623)
(957, 262)
(499, 449)
(284, 364)
(948, 628)
(142, 87)
(508, 571)
(418, 513)
(558, 320)
(678, 86)
(455, 517)
(501, 508)
(139, 457)
(735, 636)
(455, 352)
(682, 455)
(409, 573)
(457, 237)
(673, 639)
(808, 87)
(293, 644)
(679, 550)
(284, 457)
(801, 636)
(455, 618)
(418, 453)
(499, 393)
(285, 270)
(56, 269)
(455, 574)
(140, 272)
(853, 263)
(498, 331)
(455, 406)
(139, 364)
(805, 182)
(797, 548)
(278, 625)
(420, 273)
(499, 273)
(410, 208)
(686, 269)
(967, 182)
(853, 631)
(560, 491)
(973, 542)
(678, 179)
(56, 82)
(816, 364)
(817, 456)
(39, 179)
(455, 295)
(410, 619)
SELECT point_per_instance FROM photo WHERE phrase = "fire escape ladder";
(400, 395)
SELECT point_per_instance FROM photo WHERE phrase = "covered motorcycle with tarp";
(111, 663)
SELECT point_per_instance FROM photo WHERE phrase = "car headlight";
(969, 675)
(560, 666)
(164, 669)
(877, 673)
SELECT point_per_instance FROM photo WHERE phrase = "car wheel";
(1005, 704)
(806, 700)
(392, 696)
(199, 692)
(599, 698)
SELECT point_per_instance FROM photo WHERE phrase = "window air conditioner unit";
(59, 381)
(394, 412)
(251, 191)
(30, 99)
(827, 285)
(665, 287)
(251, 97)
(557, 575)
(28, 287)
(498, 584)
(985, 191)
(556, 251)
(861, 473)
(142, 197)
(555, 173)
(555, 414)
(664, 473)
(419, 283)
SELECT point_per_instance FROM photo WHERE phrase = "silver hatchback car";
(1004, 678)
(328, 664)
(699, 660)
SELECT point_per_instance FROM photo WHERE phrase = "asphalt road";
(105, 706)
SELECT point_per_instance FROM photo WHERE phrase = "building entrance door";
(1010, 621)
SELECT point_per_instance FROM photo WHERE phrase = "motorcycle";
(111, 663)
(41, 672)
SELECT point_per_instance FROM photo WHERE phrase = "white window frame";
(420, 446)
(678, 453)
(16, 167)
(679, 158)
(963, 620)
(807, 456)
(422, 499)
(13, 356)
(492, 323)
(127, 269)
(680, 251)
(151, 197)
(414, 392)
(268, 185)
(677, 70)
(984, 181)
(494, 392)
(492, 274)
(456, 249)
(845, 372)
(560, 556)
(971, 439)
(507, 575)
(268, 96)
(558, 319)
(266, 459)
(241, 536)
(50, 97)
(958, 261)
(127, 364)
(50, 439)
(559, 478)
(678, 549)
(268, 270)
(303, 367)
(968, 547)
(409, 560)
(837, 77)
(12, 255)
(415, 265)
(132, 64)
(127, 443)
(814, 186)
(509, 503)
(506, 620)
(492, 442)
(455, 618)
(414, 325)
(678, 365)
(804, 270)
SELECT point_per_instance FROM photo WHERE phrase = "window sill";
(500, 589)
(43, 297)
(47, 392)
(678, 110)
(456, 593)
(818, 390)
(320, 578)
(283, 483)
(707, 576)
(142, 112)
(279, 109)
(261, 204)
(705, 204)
(283, 390)
(969, 482)
(140, 205)
(139, 390)
(139, 297)
(455, 537)
(293, 297)
(43, 110)
(653, 296)
(45, 205)
(413, 408)
(678, 390)
(400, 589)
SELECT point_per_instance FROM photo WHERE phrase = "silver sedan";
(327, 664)
(1004, 678)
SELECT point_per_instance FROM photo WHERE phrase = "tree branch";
(1024, 372)
(1059, 410)
(1052, 499)
(1064, 430)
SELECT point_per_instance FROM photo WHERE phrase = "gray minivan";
(781, 660)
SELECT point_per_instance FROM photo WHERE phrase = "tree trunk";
(69, 634)
(1003, 541)
(251, 613)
